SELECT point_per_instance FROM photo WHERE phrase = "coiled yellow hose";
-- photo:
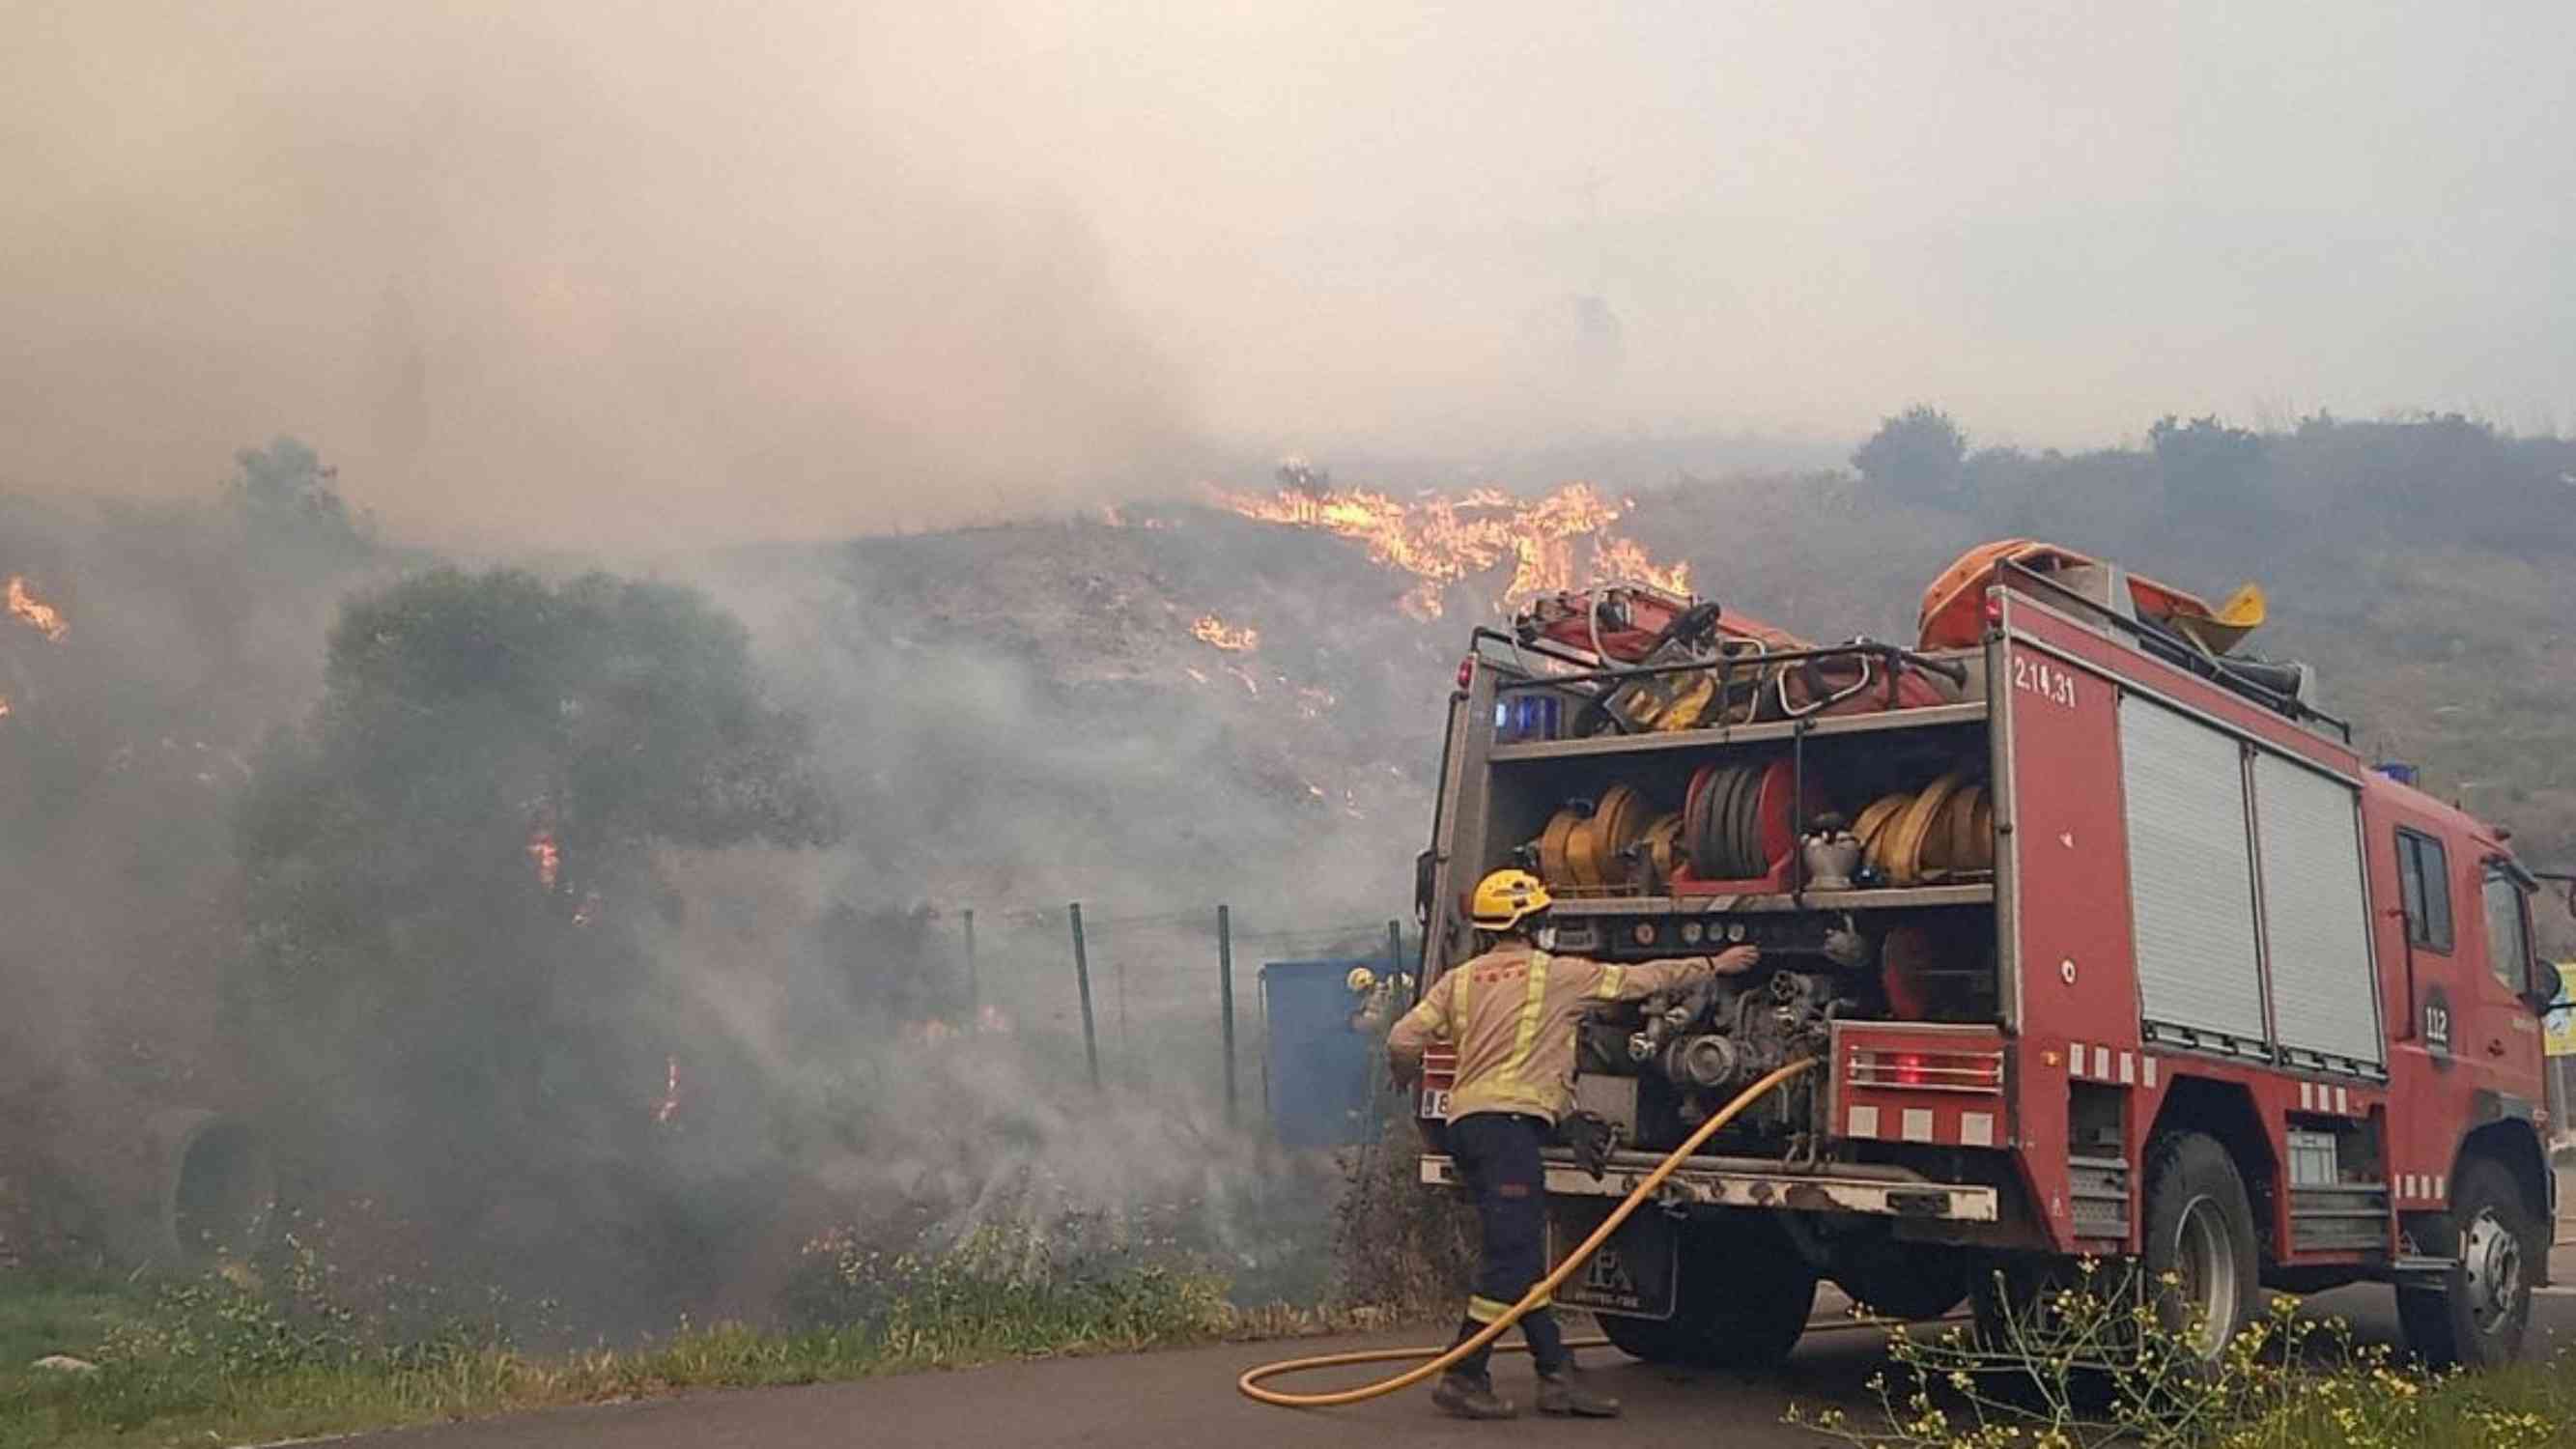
(1540, 1292)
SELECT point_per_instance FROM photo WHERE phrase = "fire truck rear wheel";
(1910, 1281)
(1745, 1295)
(2478, 1318)
(2200, 1253)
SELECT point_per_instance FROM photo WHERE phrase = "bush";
(2094, 1364)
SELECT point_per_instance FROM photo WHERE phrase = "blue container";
(2403, 774)
(1320, 1073)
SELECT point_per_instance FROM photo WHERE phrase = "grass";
(173, 1403)
(57, 1320)
(225, 1361)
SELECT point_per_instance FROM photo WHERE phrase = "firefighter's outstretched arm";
(1638, 981)
(1418, 1028)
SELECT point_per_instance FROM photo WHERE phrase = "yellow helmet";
(1506, 898)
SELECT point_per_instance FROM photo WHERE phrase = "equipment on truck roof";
(1953, 613)
(1623, 623)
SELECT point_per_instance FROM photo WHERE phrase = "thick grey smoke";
(585, 273)
(609, 274)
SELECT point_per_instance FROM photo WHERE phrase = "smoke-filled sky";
(593, 273)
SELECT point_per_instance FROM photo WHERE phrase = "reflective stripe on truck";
(1745, 1184)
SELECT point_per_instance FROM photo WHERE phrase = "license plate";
(1637, 1274)
(1435, 1104)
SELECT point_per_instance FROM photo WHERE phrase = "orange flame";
(546, 855)
(1625, 561)
(1212, 630)
(35, 613)
(1441, 540)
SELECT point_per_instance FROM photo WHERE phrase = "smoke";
(586, 280)
(584, 274)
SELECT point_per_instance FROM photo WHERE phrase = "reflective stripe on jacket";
(1511, 1014)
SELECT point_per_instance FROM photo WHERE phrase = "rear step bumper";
(1746, 1182)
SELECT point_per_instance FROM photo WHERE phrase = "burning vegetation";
(1209, 629)
(33, 612)
(545, 856)
(1560, 541)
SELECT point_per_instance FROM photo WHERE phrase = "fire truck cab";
(2139, 961)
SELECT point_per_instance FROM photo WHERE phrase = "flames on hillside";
(1234, 639)
(33, 612)
(1561, 541)
(545, 856)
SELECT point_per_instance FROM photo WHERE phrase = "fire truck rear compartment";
(1859, 949)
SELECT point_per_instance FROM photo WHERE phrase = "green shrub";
(2093, 1363)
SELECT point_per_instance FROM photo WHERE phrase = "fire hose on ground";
(1250, 1384)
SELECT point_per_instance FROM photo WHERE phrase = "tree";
(448, 869)
(287, 497)
(2208, 467)
(1919, 455)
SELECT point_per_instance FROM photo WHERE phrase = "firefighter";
(1511, 1015)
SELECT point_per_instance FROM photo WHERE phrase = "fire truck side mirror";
(2541, 983)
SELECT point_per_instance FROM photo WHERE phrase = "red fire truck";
(2109, 946)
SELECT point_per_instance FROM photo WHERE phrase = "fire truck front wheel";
(1743, 1300)
(2477, 1318)
(2200, 1252)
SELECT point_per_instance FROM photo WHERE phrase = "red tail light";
(1924, 1071)
(1466, 671)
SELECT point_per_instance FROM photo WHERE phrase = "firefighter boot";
(1471, 1396)
(1565, 1392)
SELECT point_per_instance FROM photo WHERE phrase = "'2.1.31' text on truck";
(2107, 942)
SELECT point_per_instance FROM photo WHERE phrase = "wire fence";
(1160, 998)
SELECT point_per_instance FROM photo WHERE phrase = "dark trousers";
(1497, 1156)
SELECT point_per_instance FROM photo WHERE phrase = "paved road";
(1186, 1399)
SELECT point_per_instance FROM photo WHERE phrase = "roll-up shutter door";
(2191, 877)
(2315, 921)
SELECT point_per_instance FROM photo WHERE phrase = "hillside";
(2422, 567)
(1151, 712)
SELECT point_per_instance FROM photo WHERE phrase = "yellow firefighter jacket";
(1511, 1014)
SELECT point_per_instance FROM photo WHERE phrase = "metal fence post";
(1082, 980)
(1225, 999)
(974, 1005)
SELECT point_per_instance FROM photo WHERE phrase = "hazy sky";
(650, 274)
